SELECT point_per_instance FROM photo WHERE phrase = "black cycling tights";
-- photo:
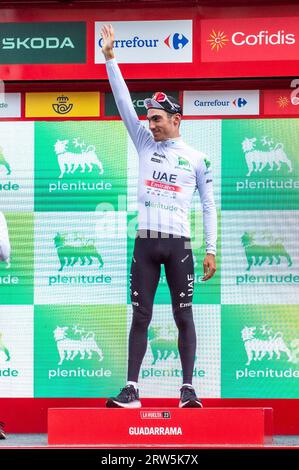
(151, 250)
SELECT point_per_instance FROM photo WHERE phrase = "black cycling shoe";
(189, 398)
(127, 398)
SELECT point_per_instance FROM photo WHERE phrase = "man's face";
(162, 125)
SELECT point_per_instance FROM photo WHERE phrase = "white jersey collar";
(174, 142)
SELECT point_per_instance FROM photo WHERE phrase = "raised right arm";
(138, 133)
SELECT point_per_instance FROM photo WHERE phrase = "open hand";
(209, 267)
(107, 33)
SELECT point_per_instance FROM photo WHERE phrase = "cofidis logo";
(253, 39)
(148, 41)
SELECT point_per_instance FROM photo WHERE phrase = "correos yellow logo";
(72, 104)
(62, 107)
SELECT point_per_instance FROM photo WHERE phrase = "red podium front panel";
(159, 426)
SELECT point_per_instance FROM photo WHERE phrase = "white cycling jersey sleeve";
(137, 131)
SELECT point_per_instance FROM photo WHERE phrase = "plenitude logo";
(253, 39)
(75, 342)
(264, 245)
(79, 164)
(8, 133)
(74, 354)
(263, 157)
(148, 41)
(76, 252)
(263, 343)
(6, 371)
(16, 275)
(16, 350)
(73, 250)
(69, 348)
(16, 165)
(267, 260)
(260, 351)
(271, 155)
(83, 158)
(260, 164)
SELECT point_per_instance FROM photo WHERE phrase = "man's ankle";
(135, 384)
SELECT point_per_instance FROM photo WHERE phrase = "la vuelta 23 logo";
(295, 93)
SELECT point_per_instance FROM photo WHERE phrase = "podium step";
(159, 426)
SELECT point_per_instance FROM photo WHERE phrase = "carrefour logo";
(239, 102)
(148, 41)
(173, 41)
(219, 39)
(176, 41)
(224, 102)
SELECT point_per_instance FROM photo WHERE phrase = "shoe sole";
(190, 404)
(117, 404)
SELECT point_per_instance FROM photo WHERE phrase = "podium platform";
(159, 426)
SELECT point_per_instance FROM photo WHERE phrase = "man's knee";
(141, 317)
(183, 316)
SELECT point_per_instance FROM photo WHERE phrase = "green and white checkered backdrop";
(68, 190)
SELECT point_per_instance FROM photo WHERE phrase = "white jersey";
(4, 239)
(170, 171)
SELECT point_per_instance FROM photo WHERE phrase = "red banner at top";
(64, 43)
